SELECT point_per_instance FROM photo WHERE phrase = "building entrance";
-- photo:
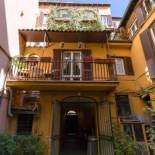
(77, 124)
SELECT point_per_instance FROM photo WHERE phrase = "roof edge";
(47, 2)
(128, 10)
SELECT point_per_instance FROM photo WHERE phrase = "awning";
(32, 35)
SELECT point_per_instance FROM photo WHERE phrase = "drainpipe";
(10, 92)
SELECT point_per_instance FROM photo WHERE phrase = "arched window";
(89, 15)
(63, 13)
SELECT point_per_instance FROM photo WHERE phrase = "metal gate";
(105, 129)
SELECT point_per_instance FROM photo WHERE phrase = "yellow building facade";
(73, 88)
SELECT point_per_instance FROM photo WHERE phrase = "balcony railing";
(46, 68)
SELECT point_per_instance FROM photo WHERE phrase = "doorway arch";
(78, 122)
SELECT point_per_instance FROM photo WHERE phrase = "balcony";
(46, 70)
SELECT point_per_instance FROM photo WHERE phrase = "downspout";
(10, 101)
(7, 89)
(7, 70)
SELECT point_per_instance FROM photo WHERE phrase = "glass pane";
(138, 132)
(128, 130)
(123, 106)
(67, 63)
(120, 66)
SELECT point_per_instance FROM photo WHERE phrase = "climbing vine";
(74, 21)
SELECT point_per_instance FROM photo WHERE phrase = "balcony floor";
(63, 85)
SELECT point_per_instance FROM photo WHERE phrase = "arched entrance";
(77, 124)
(74, 121)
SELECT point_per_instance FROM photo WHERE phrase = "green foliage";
(7, 145)
(21, 145)
(151, 138)
(124, 145)
(75, 22)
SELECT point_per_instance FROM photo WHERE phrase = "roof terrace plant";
(74, 20)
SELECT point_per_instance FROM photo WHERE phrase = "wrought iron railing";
(46, 68)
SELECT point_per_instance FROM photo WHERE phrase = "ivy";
(74, 22)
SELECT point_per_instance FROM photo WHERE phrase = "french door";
(71, 66)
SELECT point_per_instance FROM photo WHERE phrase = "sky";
(117, 6)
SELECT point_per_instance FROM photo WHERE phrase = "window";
(134, 28)
(24, 124)
(148, 5)
(63, 13)
(45, 17)
(123, 106)
(134, 130)
(152, 32)
(120, 70)
(124, 66)
(104, 20)
(88, 15)
(72, 65)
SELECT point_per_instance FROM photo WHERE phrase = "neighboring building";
(12, 17)
(75, 83)
(116, 22)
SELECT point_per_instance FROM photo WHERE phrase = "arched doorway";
(77, 124)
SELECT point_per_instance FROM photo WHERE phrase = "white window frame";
(72, 76)
(134, 25)
(104, 20)
(120, 69)
(45, 18)
(152, 35)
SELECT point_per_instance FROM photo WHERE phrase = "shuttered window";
(24, 124)
(124, 66)
(148, 45)
(123, 106)
(106, 20)
(140, 15)
(39, 20)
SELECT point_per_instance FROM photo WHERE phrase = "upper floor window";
(88, 15)
(148, 5)
(134, 28)
(104, 20)
(152, 32)
(124, 66)
(45, 17)
(63, 13)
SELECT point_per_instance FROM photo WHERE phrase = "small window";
(123, 106)
(120, 70)
(63, 13)
(124, 66)
(135, 131)
(24, 124)
(45, 18)
(134, 28)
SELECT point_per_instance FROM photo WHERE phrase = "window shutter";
(109, 19)
(149, 52)
(87, 73)
(140, 16)
(56, 69)
(128, 66)
(39, 20)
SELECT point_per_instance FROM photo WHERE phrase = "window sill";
(62, 19)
